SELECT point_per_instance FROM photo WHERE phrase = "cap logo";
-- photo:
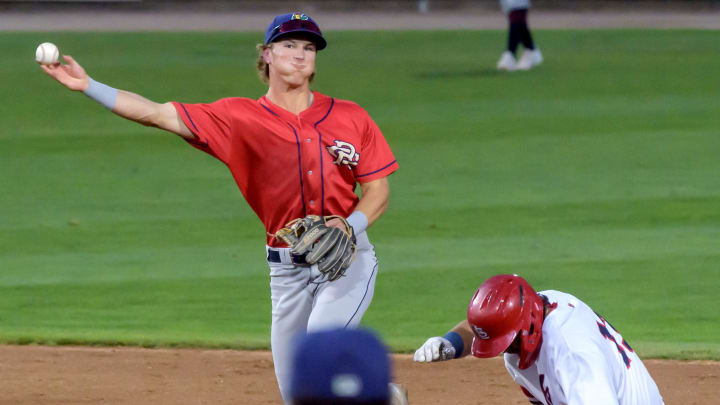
(346, 385)
(479, 332)
(344, 153)
(295, 22)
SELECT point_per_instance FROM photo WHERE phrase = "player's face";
(292, 60)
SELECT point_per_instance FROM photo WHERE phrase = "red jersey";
(289, 166)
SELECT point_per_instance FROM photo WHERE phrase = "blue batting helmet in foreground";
(341, 364)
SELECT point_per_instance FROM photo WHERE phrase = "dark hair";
(338, 401)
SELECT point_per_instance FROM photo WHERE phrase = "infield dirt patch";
(39, 375)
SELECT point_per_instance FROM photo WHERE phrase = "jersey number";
(611, 334)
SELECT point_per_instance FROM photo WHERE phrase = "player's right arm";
(127, 105)
(455, 344)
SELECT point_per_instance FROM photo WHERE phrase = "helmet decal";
(480, 333)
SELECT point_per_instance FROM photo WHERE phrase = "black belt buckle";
(274, 257)
(298, 259)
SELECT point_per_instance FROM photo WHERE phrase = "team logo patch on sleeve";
(344, 153)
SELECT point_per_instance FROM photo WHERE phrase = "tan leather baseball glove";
(332, 249)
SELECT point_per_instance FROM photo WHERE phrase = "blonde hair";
(263, 69)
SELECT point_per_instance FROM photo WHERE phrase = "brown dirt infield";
(39, 375)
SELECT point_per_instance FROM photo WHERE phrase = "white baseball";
(47, 53)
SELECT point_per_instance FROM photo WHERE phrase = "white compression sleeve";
(102, 93)
(358, 221)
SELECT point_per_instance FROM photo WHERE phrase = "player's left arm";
(371, 172)
(375, 198)
(335, 249)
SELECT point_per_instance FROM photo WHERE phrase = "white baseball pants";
(299, 305)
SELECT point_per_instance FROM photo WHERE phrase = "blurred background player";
(343, 367)
(518, 32)
(556, 347)
(293, 152)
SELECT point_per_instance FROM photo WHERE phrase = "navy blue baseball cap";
(295, 23)
(349, 364)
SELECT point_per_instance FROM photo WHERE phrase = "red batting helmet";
(502, 307)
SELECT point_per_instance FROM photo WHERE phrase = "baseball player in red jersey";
(293, 152)
(555, 346)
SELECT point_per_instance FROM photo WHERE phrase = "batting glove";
(435, 349)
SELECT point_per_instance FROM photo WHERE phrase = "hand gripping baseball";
(435, 349)
(70, 75)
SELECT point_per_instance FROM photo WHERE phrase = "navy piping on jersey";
(367, 287)
(189, 118)
(297, 143)
(380, 169)
(332, 103)
(320, 146)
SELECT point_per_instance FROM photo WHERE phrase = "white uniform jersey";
(510, 5)
(583, 360)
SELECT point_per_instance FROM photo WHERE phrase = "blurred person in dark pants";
(518, 32)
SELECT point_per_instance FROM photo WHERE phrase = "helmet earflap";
(532, 331)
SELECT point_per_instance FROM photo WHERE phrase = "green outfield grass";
(597, 174)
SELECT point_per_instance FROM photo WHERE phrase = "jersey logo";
(545, 390)
(344, 153)
(606, 330)
(479, 332)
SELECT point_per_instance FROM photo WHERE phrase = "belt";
(274, 257)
